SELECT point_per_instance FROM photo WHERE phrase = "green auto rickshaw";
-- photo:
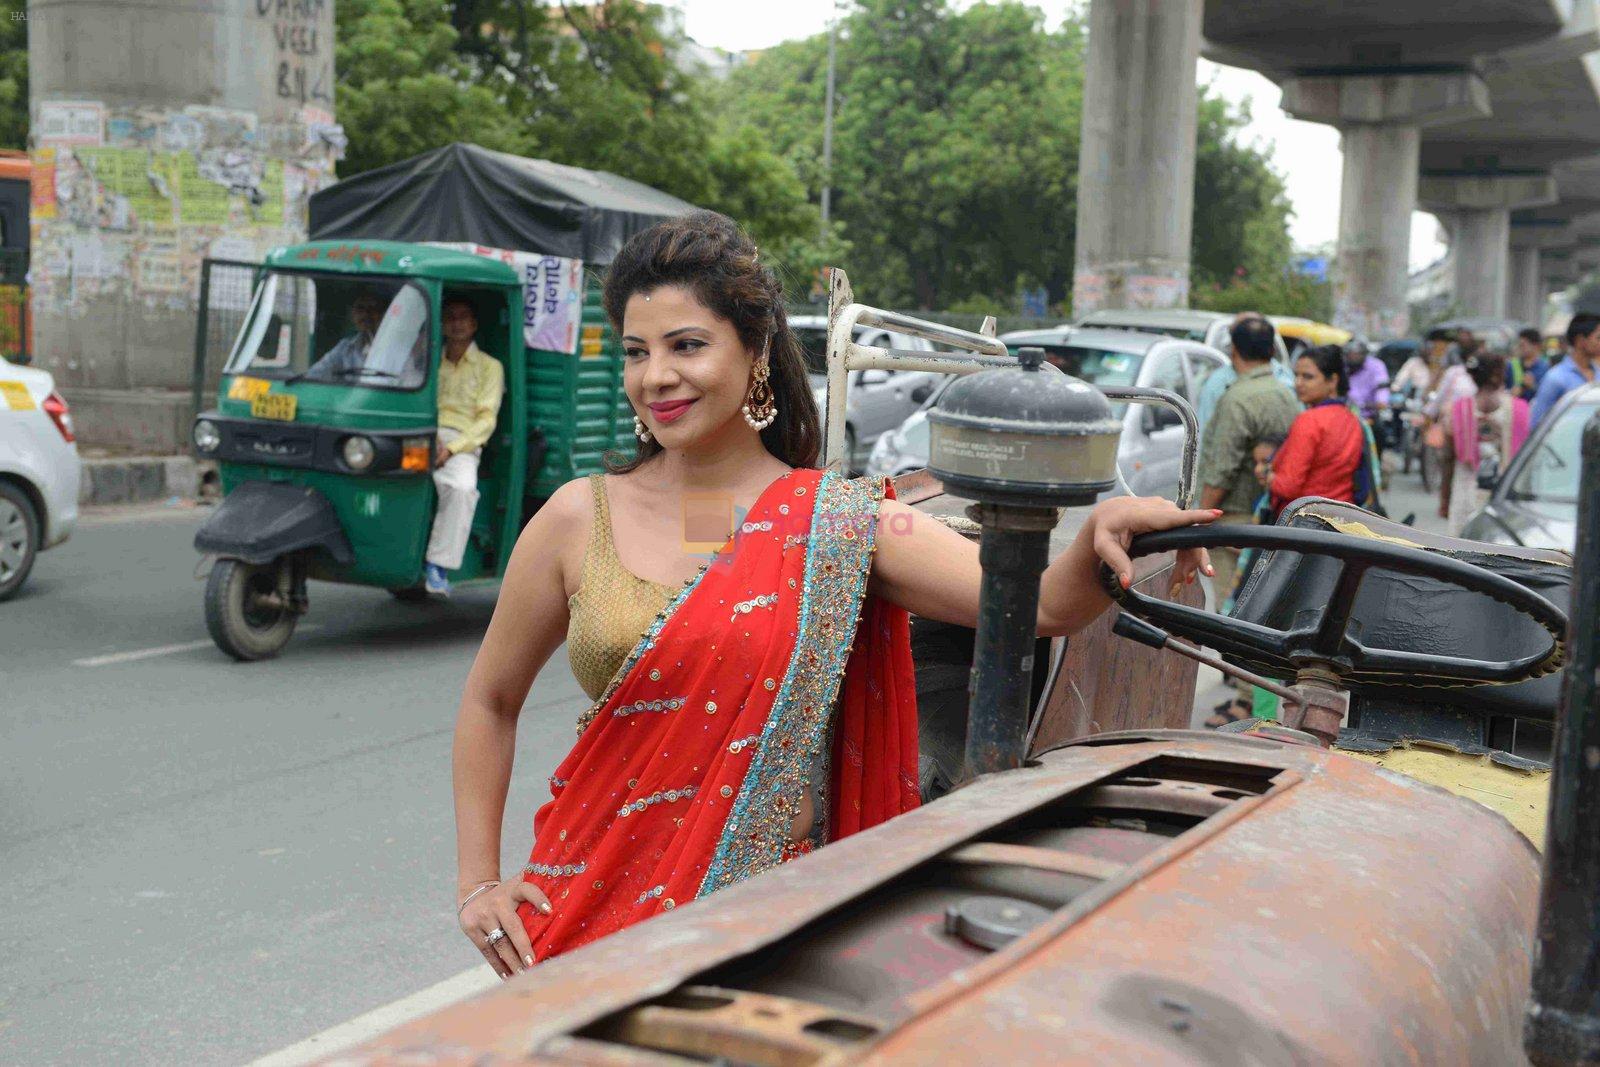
(325, 461)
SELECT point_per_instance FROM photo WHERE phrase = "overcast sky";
(1305, 153)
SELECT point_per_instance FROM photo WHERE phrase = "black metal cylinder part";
(1014, 550)
(1563, 1020)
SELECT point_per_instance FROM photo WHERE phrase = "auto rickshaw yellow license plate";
(279, 406)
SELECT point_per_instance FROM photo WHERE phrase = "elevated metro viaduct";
(1482, 111)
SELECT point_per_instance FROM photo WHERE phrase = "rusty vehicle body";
(1204, 899)
(1140, 893)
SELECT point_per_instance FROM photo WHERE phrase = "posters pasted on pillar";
(552, 294)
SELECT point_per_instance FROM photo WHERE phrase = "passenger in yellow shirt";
(470, 386)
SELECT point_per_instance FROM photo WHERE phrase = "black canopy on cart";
(462, 192)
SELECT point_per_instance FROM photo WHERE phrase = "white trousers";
(457, 483)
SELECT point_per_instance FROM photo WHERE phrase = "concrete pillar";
(1525, 294)
(1378, 194)
(161, 133)
(1482, 263)
(1136, 164)
(1381, 117)
(1479, 208)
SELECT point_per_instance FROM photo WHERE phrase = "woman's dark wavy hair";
(1329, 361)
(709, 255)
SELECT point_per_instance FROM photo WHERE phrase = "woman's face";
(1310, 384)
(685, 370)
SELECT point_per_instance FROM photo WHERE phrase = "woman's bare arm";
(530, 621)
(930, 570)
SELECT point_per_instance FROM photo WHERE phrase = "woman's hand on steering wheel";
(494, 912)
(1119, 520)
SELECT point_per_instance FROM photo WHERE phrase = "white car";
(39, 471)
(879, 400)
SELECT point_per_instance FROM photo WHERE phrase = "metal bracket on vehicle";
(970, 352)
(1189, 473)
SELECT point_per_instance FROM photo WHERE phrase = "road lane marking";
(163, 650)
(353, 1032)
(142, 653)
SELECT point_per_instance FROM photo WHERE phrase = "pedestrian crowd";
(1273, 433)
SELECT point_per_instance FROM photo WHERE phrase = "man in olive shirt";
(1255, 406)
(470, 385)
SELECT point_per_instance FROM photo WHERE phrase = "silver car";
(878, 400)
(1535, 504)
(1150, 455)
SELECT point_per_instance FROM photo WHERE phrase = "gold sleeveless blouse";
(612, 608)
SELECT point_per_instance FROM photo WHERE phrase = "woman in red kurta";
(1323, 450)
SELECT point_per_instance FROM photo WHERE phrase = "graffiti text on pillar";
(301, 74)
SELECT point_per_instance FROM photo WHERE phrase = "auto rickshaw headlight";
(359, 453)
(416, 454)
(207, 438)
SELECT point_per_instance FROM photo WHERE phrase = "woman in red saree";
(768, 705)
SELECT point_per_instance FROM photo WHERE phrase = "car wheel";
(19, 538)
(241, 615)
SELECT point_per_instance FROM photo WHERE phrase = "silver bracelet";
(483, 887)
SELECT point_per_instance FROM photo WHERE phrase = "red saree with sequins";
(692, 765)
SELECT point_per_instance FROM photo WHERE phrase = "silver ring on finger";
(496, 936)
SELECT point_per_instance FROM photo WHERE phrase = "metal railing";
(226, 286)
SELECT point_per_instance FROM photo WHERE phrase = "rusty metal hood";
(1154, 899)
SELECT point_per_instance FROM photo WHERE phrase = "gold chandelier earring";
(761, 405)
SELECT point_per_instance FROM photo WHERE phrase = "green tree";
(592, 86)
(955, 150)
(1241, 219)
(402, 88)
(13, 74)
(956, 153)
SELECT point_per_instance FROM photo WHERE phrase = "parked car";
(1208, 327)
(39, 471)
(1150, 455)
(1300, 334)
(1535, 503)
(879, 400)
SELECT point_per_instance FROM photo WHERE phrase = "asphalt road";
(203, 861)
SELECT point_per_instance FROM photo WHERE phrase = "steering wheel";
(1324, 642)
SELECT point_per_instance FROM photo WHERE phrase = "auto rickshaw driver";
(349, 355)
(470, 387)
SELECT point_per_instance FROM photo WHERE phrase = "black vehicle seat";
(1399, 611)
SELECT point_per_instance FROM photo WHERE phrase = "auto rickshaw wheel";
(245, 611)
(411, 594)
